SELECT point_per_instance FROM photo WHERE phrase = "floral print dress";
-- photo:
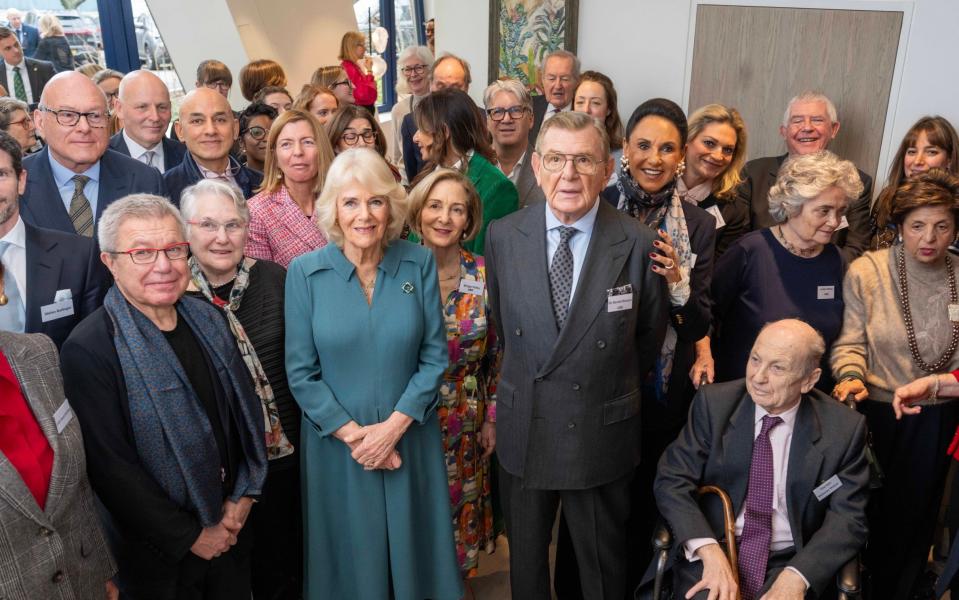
(468, 385)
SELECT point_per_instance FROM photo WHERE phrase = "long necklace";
(907, 316)
(803, 252)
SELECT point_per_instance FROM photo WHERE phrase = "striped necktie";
(81, 215)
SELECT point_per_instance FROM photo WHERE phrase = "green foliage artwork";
(528, 31)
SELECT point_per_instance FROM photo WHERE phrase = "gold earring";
(681, 168)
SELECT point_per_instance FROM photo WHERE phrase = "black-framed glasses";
(69, 118)
(220, 86)
(585, 165)
(345, 82)
(146, 256)
(369, 136)
(410, 69)
(256, 132)
(514, 112)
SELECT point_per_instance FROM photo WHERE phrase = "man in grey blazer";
(581, 315)
(816, 476)
(809, 124)
(509, 117)
(50, 547)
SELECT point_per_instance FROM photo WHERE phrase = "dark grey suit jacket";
(529, 190)
(42, 552)
(568, 402)
(173, 150)
(41, 204)
(715, 448)
(539, 111)
(39, 72)
(759, 177)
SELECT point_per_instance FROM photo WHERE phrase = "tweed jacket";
(60, 551)
(279, 231)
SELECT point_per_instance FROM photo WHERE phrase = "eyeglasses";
(369, 136)
(146, 256)
(25, 122)
(498, 114)
(409, 70)
(346, 82)
(256, 132)
(220, 86)
(69, 118)
(585, 165)
(212, 227)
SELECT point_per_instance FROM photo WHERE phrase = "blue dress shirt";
(62, 176)
(578, 243)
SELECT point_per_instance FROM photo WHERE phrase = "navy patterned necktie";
(758, 520)
(561, 275)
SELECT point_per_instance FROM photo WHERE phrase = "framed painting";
(523, 32)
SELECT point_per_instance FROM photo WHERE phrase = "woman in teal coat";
(451, 132)
(365, 351)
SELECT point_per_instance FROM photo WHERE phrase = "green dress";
(347, 360)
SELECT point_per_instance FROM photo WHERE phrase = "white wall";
(644, 46)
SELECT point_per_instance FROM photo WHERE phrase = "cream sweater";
(873, 340)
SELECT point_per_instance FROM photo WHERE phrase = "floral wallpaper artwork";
(527, 31)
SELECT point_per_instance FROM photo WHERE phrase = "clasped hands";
(718, 579)
(374, 446)
(217, 539)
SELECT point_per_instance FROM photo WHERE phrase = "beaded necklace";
(907, 316)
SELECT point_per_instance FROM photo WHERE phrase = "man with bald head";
(76, 176)
(208, 128)
(145, 110)
(751, 437)
(448, 71)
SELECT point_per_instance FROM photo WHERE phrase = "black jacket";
(187, 173)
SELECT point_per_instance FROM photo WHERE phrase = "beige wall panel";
(757, 58)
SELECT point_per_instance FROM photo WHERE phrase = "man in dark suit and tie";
(581, 316)
(810, 123)
(23, 78)
(75, 177)
(559, 77)
(51, 280)
(791, 459)
(509, 116)
(27, 35)
(448, 71)
(145, 110)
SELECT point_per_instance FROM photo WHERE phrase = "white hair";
(811, 96)
(510, 86)
(134, 206)
(802, 178)
(420, 52)
(212, 187)
(564, 54)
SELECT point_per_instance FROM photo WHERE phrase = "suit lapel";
(604, 261)
(526, 179)
(13, 490)
(43, 275)
(112, 184)
(805, 462)
(738, 451)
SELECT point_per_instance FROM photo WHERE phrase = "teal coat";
(349, 360)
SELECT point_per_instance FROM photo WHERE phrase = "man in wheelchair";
(793, 463)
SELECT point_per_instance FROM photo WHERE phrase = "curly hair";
(802, 178)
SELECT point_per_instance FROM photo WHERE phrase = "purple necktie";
(758, 520)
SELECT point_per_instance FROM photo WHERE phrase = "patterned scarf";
(696, 194)
(277, 445)
(173, 435)
(660, 210)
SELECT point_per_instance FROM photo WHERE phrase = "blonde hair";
(421, 193)
(362, 166)
(272, 175)
(802, 178)
(350, 39)
(725, 185)
(49, 26)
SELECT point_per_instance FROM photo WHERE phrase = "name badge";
(825, 292)
(57, 310)
(954, 312)
(63, 416)
(714, 211)
(471, 286)
(827, 487)
(619, 298)
(843, 223)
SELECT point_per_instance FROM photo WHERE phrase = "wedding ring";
(671, 265)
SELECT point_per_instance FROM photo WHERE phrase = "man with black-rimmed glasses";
(76, 176)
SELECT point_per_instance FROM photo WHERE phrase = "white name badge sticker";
(843, 223)
(57, 310)
(619, 298)
(63, 416)
(471, 286)
(825, 292)
(954, 312)
(827, 488)
(714, 211)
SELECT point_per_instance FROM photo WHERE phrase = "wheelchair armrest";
(662, 537)
(848, 580)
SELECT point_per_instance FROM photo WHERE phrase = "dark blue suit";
(173, 151)
(187, 173)
(31, 39)
(41, 204)
(411, 152)
(62, 261)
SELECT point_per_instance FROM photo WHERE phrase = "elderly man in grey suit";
(791, 459)
(581, 315)
(509, 117)
(51, 545)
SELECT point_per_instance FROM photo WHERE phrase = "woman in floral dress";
(445, 211)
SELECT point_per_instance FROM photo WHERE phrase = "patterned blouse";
(279, 231)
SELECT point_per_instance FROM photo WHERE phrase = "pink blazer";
(279, 231)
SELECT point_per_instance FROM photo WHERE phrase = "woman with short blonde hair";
(359, 68)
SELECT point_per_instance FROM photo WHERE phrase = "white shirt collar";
(136, 150)
(19, 64)
(16, 236)
(788, 417)
(583, 225)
